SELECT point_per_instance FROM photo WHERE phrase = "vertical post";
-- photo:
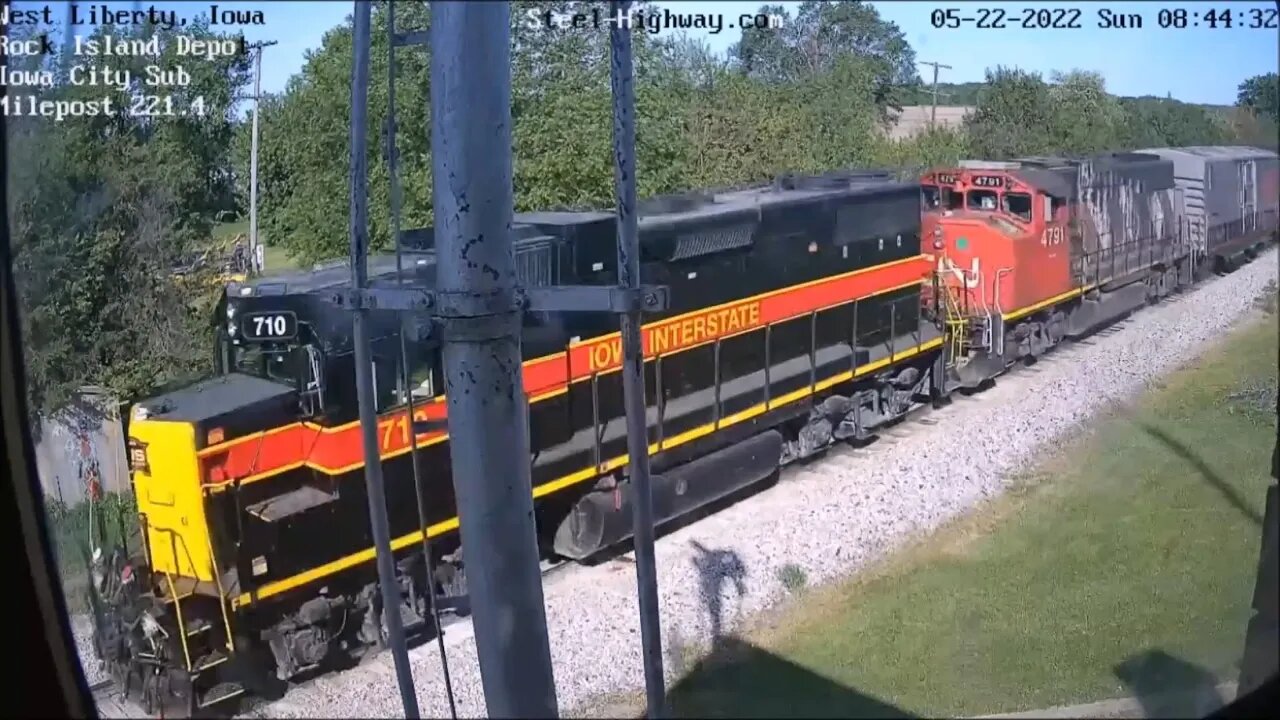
(253, 163)
(68, 37)
(933, 114)
(254, 258)
(393, 173)
(624, 155)
(391, 599)
(476, 304)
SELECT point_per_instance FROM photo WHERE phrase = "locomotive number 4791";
(1051, 236)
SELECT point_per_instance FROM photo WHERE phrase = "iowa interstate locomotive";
(795, 321)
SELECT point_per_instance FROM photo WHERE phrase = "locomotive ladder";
(955, 321)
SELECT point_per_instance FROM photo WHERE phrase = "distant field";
(1124, 564)
(915, 119)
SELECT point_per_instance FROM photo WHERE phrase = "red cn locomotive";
(1040, 249)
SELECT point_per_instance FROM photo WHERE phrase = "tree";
(804, 98)
(1014, 117)
(1261, 94)
(1085, 119)
(561, 121)
(101, 207)
(819, 37)
(1164, 122)
(1244, 126)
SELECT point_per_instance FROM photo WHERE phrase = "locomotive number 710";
(1052, 236)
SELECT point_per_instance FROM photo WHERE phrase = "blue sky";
(1194, 64)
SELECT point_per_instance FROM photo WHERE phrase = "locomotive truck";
(795, 321)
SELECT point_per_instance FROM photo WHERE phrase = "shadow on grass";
(780, 688)
(739, 679)
(1211, 477)
(1168, 686)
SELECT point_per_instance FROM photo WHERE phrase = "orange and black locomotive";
(795, 321)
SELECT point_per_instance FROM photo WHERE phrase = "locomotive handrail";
(182, 629)
(223, 600)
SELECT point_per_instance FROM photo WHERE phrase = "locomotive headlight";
(937, 238)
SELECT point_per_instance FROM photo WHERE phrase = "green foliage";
(812, 96)
(1261, 94)
(1161, 122)
(102, 207)
(1012, 116)
(820, 37)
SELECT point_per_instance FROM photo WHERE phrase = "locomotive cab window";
(425, 378)
(271, 361)
(952, 200)
(1018, 205)
(931, 197)
(983, 199)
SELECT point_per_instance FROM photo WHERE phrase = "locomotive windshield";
(941, 198)
(1018, 205)
(982, 199)
(930, 196)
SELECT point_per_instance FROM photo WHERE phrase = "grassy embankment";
(1123, 565)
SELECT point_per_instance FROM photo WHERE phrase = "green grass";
(227, 230)
(1130, 553)
(275, 257)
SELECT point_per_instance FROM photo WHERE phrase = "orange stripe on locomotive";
(339, 449)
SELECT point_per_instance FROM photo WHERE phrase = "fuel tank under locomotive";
(602, 518)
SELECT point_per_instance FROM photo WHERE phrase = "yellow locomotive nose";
(162, 458)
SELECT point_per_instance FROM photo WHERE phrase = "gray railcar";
(1230, 196)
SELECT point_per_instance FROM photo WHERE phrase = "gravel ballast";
(828, 518)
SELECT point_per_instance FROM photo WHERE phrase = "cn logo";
(969, 278)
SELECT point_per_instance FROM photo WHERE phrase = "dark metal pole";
(359, 170)
(476, 305)
(393, 170)
(624, 155)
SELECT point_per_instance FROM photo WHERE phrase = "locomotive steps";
(824, 520)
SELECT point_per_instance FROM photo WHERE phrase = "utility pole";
(624, 153)
(933, 115)
(479, 312)
(361, 338)
(255, 255)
